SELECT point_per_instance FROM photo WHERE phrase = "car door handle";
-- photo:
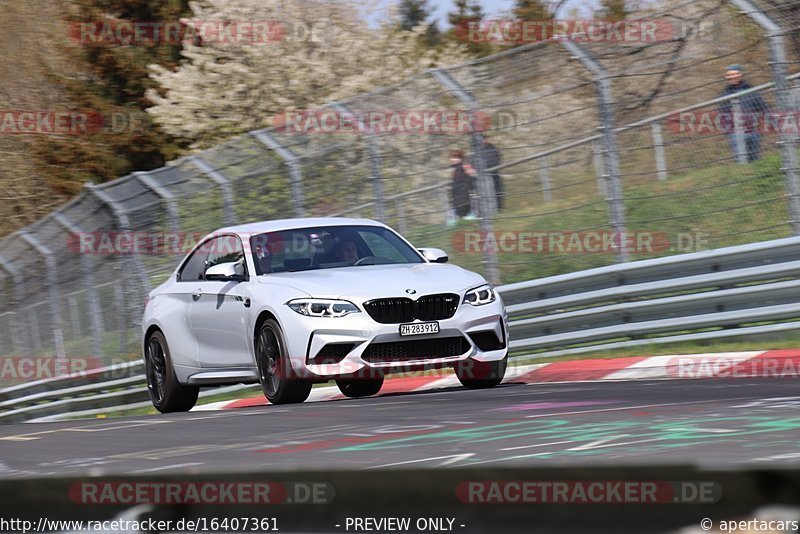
(197, 294)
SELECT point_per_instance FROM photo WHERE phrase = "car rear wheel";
(165, 392)
(274, 369)
(355, 387)
(478, 375)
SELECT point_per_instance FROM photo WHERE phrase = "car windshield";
(329, 247)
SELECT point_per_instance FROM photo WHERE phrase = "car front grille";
(416, 349)
(405, 310)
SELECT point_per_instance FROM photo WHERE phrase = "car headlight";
(323, 307)
(480, 295)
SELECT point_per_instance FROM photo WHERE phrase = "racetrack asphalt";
(725, 423)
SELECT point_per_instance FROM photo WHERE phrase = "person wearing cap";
(751, 105)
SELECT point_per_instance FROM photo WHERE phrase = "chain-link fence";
(599, 151)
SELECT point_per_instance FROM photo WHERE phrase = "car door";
(174, 312)
(218, 311)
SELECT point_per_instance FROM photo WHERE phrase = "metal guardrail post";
(400, 210)
(599, 168)
(224, 184)
(487, 204)
(658, 147)
(375, 160)
(544, 178)
(611, 155)
(783, 97)
(739, 141)
(53, 289)
(87, 264)
(20, 326)
(298, 202)
(166, 195)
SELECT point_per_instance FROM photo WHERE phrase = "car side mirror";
(226, 272)
(434, 255)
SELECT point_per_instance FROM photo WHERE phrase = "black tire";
(274, 370)
(166, 394)
(480, 375)
(355, 387)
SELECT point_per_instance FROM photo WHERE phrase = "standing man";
(461, 185)
(753, 108)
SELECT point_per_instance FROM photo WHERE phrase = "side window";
(226, 249)
(195, 266)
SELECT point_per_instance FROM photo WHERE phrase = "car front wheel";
(274, 369)
(166, 393)
(478, 375)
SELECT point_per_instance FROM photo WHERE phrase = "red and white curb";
(770, 363)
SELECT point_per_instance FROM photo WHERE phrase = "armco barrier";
(734, 291)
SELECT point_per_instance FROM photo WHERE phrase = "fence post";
(166, 195)
(298, 202)
(95, 313)
(21, 326)
(658, 146)
(611, 156)
(374, 159)
(738, 132)
(544, 178)
(599, 168)
(400, 209)
(53, 290)
(487, 204)
(222, 181)
(783, 98)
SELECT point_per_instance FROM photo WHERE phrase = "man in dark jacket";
(753, 108)
(461, 185)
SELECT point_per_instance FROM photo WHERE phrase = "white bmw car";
(292, 302)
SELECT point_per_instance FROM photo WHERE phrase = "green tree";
(415, 13)
(111, 92)
(466, 13)
(532, 10)
(613, 10)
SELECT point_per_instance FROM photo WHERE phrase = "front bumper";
(307, 336)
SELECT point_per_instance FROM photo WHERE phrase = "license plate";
(418, 329)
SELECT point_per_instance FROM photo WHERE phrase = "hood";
(376, 281)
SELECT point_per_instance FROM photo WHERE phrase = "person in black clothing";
(752, 106)
(461, 185)
(492, 158)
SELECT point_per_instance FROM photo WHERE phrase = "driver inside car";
(346, 252)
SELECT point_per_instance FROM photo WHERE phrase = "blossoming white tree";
(330, 51)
